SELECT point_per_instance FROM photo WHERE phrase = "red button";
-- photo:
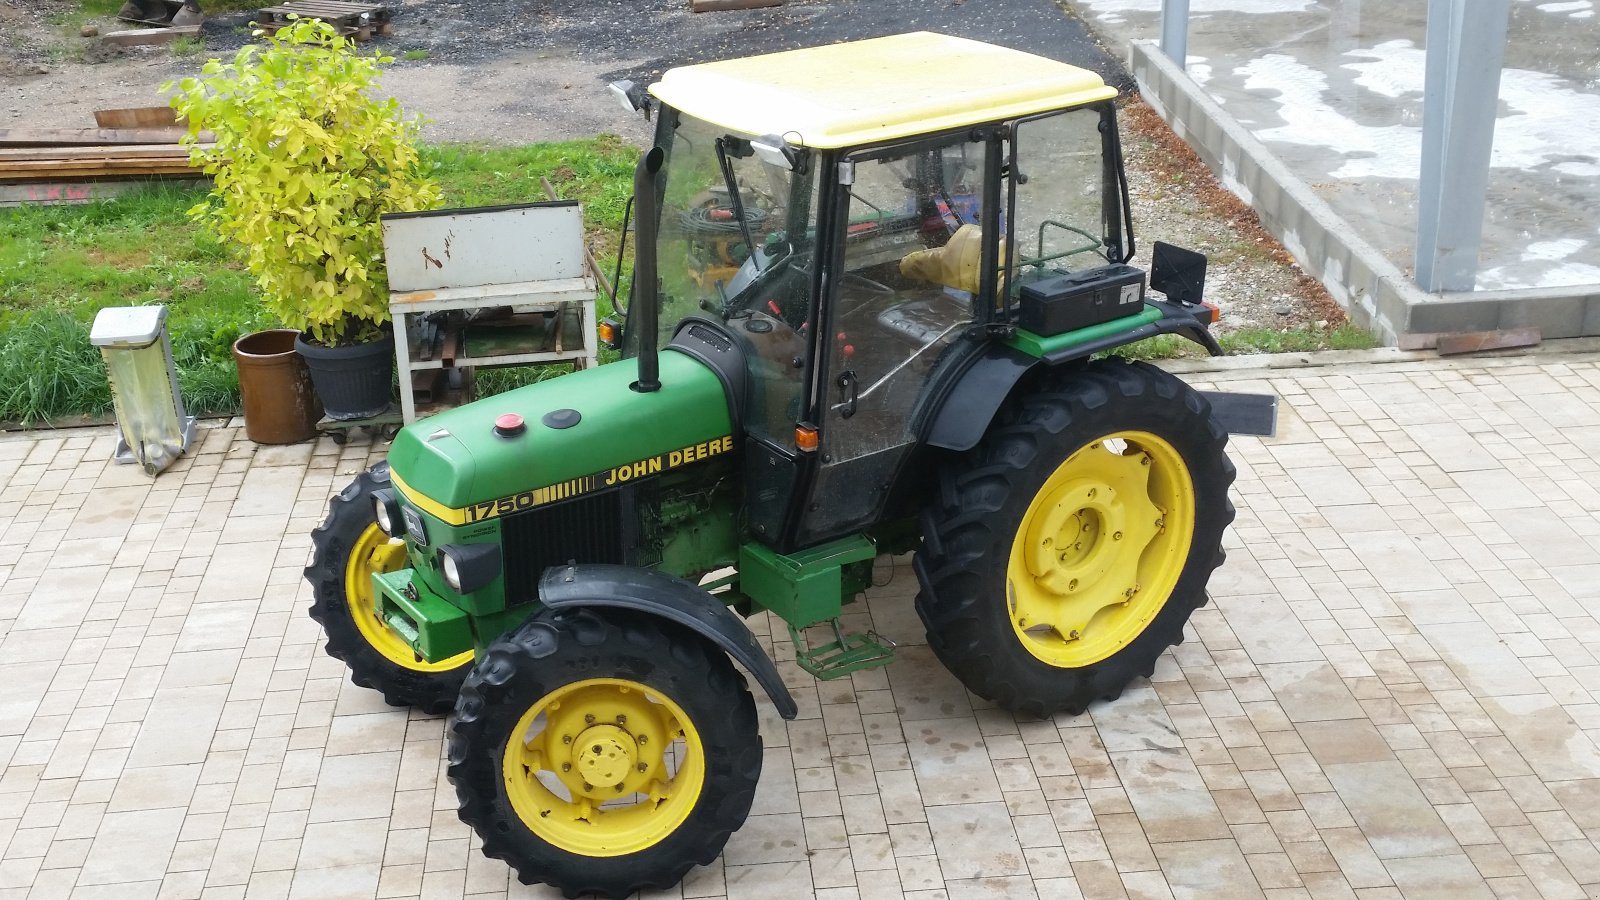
(509, 425)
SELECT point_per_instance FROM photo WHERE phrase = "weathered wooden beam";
(135, 37)
(58, 137)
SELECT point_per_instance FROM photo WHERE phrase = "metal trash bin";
(133, 341)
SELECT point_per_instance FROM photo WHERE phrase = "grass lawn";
(59, 265)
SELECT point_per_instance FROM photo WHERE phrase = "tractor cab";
(841, 231)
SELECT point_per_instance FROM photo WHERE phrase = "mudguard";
(674, 599)
(969, 406)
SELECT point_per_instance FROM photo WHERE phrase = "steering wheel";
(801, 262)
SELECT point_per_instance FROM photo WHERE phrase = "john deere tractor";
(874, 287)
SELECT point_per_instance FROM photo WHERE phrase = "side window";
(1058, 222)
(912, 257)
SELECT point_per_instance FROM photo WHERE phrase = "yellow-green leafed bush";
(304, 162)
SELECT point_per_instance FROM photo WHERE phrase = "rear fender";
(967, 408)
(672, 598)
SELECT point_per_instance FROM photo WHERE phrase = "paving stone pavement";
(1393, 694)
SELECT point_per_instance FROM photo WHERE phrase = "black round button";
(562, 418)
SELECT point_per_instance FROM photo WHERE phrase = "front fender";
(670, 597)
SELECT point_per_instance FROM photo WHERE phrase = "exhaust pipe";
(648, 308)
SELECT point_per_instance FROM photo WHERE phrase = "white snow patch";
(1499, 279)
(1197, 7)
(1580, 169)
(1573, 6)
(1548, 118)
(1553, 250)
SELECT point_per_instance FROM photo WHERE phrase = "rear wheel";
(350, 547)
(604, 752)
(1068, 549)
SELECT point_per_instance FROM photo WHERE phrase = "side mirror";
(1178, 273)
(633, 97)
(776, 151)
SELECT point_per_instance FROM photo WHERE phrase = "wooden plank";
(51, 165)
(719, 5)
(138, 117)
(137, 37)
(120, 151)
(55, 137)
(67, 173)
(1482, 341)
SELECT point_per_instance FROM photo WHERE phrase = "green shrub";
(305, 161)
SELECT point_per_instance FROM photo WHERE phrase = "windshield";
(718, 200)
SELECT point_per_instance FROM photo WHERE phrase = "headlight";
(387, 512)
(452, 571)
(468, 567)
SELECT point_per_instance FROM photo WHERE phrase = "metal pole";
(1175, 30)
(1466, 44)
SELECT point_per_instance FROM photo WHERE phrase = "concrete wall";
(1376, 294)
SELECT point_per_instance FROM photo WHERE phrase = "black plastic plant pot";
(353, 382)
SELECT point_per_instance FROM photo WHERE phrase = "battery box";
(1076, 300)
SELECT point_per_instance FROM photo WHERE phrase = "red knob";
(509, 425)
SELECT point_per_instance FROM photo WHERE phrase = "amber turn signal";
(805, 437)
(607, 332)
(1212, 314)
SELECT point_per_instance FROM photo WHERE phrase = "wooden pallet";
(358, 20)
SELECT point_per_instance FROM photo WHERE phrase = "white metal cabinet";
(526, 256)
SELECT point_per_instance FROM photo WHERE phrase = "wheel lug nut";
(1072, 585)
(566, 767)
(589, 719)
(621, 719)
(566, 739)
(644, 739)
(587, 786)
(644, 767)
(1072, 635)
(1117, 536)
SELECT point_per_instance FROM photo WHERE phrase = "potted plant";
(304, 162)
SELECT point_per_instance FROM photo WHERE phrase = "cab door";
(916, 228)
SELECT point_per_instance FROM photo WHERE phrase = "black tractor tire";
(338, 541)
(558, 649)
(985, 494)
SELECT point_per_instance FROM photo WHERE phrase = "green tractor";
(874, 284)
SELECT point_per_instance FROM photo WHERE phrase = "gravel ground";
(531, 70)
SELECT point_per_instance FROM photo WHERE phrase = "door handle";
(847, 397)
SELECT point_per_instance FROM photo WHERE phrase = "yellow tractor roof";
(886, 88)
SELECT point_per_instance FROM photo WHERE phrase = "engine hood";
(455, 467)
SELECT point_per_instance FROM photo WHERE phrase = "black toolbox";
(1079, 299)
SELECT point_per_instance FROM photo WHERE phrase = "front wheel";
(1067, 550)
(604, 752)
(350, 548)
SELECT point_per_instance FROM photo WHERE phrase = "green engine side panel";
(455, 459)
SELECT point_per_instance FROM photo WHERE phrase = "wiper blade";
(736, 200)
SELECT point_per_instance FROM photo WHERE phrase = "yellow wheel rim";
(377, 552)
(604, 767)
(1100, 549)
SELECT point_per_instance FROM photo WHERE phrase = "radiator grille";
(590, 529)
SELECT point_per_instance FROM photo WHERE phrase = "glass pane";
(706, 265)
(913, 251)
(1059, 219)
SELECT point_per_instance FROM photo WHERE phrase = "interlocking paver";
(1395, 692)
